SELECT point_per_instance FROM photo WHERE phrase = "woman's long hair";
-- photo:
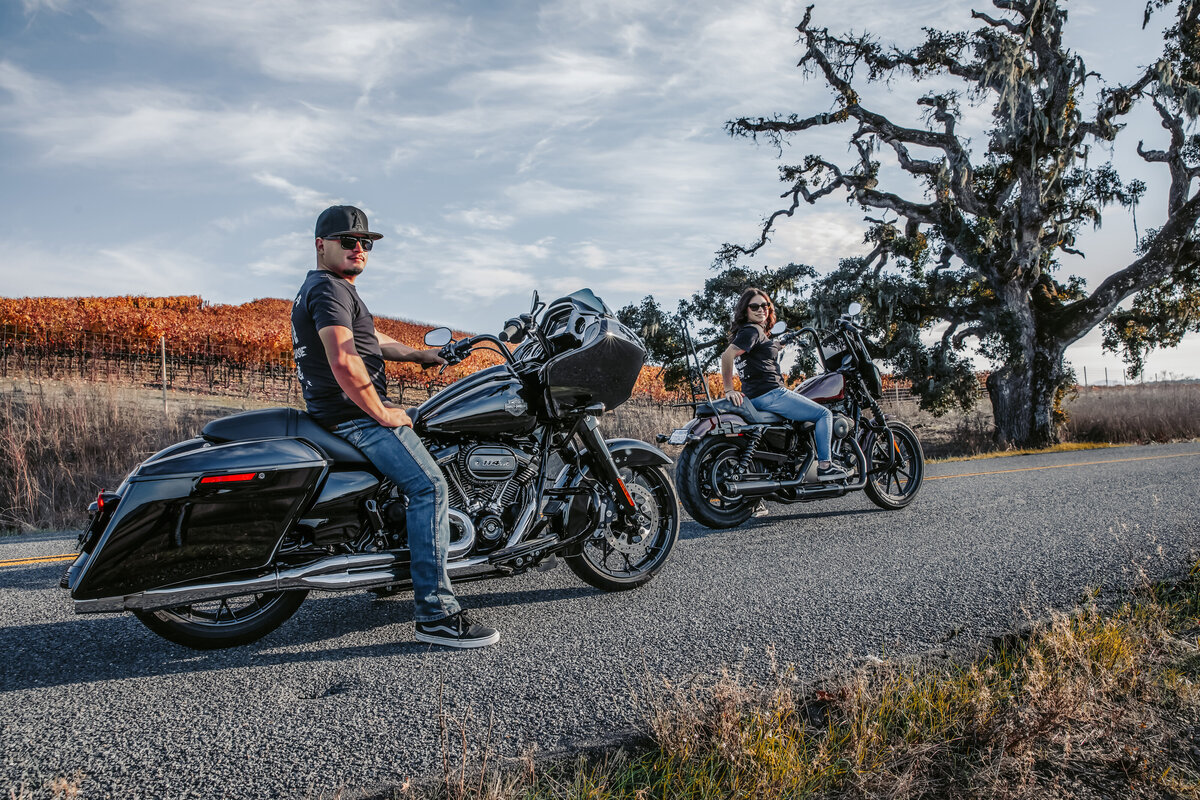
(741, 312)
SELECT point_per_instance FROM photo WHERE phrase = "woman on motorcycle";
(757, 360)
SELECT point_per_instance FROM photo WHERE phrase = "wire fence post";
(162, 340)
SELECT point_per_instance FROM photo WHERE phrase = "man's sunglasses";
(758, 306)
(348, 242)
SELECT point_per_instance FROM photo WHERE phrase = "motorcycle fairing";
(602, 368)
(171, 528)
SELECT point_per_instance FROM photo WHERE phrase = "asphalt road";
(342, 697)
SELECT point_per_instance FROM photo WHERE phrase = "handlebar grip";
(509, 331)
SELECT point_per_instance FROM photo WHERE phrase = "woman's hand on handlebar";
(735, 397)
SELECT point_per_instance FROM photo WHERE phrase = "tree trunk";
(1023, 391)
(1023, 398)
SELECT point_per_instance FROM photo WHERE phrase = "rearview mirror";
(778, 328)
(855, 308)
(439, 337)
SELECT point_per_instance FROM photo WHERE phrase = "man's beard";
(352, 269)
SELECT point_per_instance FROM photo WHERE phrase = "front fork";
(589, 433)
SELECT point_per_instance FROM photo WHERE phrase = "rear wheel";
(893, 486)
(704, 467)
(229, 622)
(624, 555)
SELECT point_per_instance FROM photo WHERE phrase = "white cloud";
(358, 43)
(80, 124)
(302, 197)
(480, 218)
(537, 198)
(560, 77)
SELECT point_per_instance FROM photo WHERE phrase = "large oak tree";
(973, 240)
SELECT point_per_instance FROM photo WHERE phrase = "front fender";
(635, 453)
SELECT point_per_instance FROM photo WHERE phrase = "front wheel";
(624, 555)
(892, 484)
(228, 622)
(705, 466)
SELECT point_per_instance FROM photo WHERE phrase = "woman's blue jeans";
(797, 407)
(399, 454)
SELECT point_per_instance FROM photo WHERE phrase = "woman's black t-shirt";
(758, 366)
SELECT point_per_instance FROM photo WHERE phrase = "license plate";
(679, 436)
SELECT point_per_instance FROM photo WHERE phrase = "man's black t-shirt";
(758, 366)
(325, 300)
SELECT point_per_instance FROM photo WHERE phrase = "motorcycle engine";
(842, 425)
(485, 480)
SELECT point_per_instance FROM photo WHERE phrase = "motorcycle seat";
(746, 410)
(272, 423)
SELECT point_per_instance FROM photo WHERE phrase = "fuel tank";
(824, 388)
(491, 401)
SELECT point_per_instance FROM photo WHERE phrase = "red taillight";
(238, 478)
(100, 501)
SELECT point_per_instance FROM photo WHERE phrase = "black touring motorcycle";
(215, 541)
(734, 456)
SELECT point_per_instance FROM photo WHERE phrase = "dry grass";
(61, 445)
(1151, 412)
(1085, 705)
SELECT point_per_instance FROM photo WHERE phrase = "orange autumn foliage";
(253, 334)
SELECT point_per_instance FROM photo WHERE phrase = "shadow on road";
(114, 647)
(694, 530)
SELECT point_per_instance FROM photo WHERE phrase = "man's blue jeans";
(797, 407)
(399, 454)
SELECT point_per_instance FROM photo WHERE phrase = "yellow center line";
(40, 560)
(1058, 466)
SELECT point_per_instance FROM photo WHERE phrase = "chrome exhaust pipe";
(760, 488)
(465, 542)
(337, 573)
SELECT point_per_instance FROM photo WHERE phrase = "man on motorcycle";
(757, 360)
(340, 362)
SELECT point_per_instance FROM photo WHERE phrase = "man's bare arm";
(351, 374)
(397, 351)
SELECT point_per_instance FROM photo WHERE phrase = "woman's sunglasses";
(758, 306)
(348, 242)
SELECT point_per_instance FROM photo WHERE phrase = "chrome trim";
(524, 523)
(337, 573)
(463, 545)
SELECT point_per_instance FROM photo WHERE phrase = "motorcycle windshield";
(587, 300)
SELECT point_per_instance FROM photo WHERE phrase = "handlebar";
(511, 329)
(455, 352)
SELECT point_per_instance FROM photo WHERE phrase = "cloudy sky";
(166, 148)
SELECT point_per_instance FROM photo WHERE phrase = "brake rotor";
(647, 521)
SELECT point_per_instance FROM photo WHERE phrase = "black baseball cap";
(344, 221)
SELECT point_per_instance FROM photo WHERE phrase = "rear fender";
(702, 426)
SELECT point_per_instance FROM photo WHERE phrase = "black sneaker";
(457, 630)
(832, 473)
